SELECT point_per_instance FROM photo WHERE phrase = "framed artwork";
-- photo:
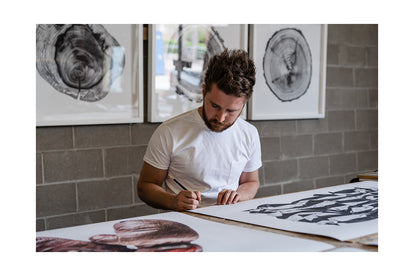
(170, 232)
(290, 71)
(342, 212)
(178, 58)
(88, 74)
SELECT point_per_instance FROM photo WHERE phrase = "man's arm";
(248, 186)
(150, 190)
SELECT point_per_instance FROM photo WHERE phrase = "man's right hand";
(187, 200)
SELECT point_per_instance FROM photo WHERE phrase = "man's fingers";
(227, 197)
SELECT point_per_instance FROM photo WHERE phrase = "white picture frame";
(282, 90)
(163, 100)
(123, 102)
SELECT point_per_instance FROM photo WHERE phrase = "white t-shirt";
(201, 159)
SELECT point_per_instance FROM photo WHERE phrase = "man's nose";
(221, 116)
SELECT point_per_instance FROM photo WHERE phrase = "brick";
(52, 138)
(342, 163)
(270, 148)
(313, 167)
(372, 56)
(40, 225)
(276, 128)
(75, 219)
(55, 199)
(347, 98)
(357, 140)
(297, 186)
(341, 120)
(102, 135)
(72, 165)
(364, 34)
(339, 33)
(124, 160)
(312, 126)
(374, 140)
(366, 77)
(328, 143)
(141, 133)
(351, 55)
(279, 171)
(269, 191)
(329, 181)
(39, 169)
(104, 193)
(339, 77)
(131, 212)
(353, 34)
(373, 98)
(367, 160)
(332, 57)
(367, 119)
(300, 145)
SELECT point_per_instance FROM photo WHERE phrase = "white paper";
(213, 236)
(326, 217)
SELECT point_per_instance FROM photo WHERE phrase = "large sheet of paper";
(342, 212)
(170, 231)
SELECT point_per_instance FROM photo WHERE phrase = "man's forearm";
(248, 190)
(155, 196)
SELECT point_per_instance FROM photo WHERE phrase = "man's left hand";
(226, 197)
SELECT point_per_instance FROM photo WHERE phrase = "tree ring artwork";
(287, 64)
(81, 61)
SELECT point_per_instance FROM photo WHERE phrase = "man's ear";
(204, 89)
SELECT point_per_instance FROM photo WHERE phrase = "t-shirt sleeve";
(158, 153)
(255, 161)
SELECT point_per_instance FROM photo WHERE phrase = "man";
(209, 154)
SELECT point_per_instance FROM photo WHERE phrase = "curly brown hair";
(233, 72)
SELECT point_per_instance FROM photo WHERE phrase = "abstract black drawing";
(145, 235)
(287, 64)
(186, 78)
(81, 61)
(334, 208)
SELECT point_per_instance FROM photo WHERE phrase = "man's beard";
(214, 124)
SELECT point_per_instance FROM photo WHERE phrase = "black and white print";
(81, 61)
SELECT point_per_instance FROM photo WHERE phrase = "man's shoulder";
(182, 120)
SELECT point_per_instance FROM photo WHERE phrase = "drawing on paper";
(146, 235)
(81, 61)
(190, 62)
(332, 208)
(287, 64)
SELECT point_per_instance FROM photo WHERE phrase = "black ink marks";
(146, 235)
(287, 64)
(81, 61)
(191, 62)
(334, 208)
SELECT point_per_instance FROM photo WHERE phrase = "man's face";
(220, 110)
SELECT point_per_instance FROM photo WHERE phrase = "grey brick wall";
(88, 174)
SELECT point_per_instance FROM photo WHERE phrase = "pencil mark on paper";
(146, 235)
(81, 61)
(333, 208)
(287, 64)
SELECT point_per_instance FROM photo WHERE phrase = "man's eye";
(214, 106)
